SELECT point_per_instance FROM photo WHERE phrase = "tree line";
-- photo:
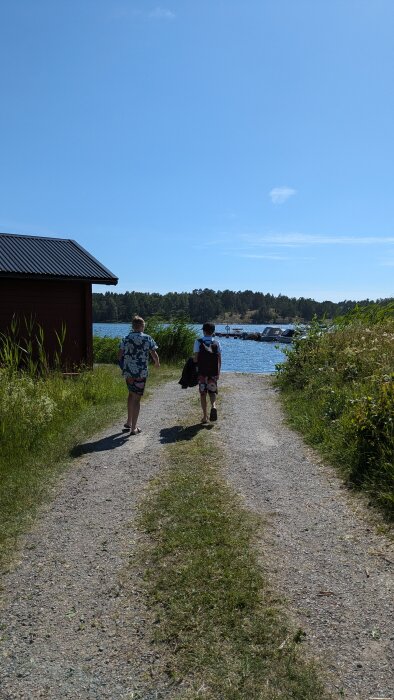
(202, 304)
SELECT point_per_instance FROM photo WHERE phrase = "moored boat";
(270, 333)
(287, 336)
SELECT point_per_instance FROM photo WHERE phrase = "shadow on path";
(108, 443)
(179, 432)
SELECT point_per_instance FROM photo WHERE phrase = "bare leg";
(213, 413)
(129, 408)
(212, 397)
(133, 410)
(203, 399)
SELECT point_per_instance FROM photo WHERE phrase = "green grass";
(217, 623)
(41, 421)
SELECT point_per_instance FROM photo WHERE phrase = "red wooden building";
(49, 281)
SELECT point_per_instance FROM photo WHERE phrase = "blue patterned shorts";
(136, 385)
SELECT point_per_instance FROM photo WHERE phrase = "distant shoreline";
(225, 322)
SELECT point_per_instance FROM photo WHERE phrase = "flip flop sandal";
(213, 414)
(135, 432)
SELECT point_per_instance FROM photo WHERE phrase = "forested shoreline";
(220, 306)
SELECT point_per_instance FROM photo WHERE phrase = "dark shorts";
(136, 385)
(207, 384)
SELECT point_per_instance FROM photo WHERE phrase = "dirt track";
(321, 551)
(68, 630)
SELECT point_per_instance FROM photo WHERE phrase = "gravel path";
(321, 551)
(70, 631)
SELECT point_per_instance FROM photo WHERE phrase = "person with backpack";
(208, 357)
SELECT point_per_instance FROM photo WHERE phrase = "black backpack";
(208, 359)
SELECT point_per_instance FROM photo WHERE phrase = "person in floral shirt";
(133, 356)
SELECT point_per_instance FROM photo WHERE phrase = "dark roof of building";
(50, 258)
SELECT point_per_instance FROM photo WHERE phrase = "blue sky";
(230, 144)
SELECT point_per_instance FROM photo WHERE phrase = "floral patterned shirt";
(136, 347)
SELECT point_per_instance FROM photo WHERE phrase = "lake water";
(237, 355)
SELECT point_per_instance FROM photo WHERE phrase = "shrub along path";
(74, 625)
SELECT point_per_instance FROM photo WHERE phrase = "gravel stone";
(320, 547)
(74, 621)
(68, 629)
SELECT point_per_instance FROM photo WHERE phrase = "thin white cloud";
(279, 195)
(303, 239)
(161, 13)
(258, 256)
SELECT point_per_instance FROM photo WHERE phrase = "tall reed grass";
(23, 347)
(338, 388)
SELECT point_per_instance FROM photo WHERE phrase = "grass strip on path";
(217, 623)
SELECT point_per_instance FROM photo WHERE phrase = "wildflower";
(46, 408)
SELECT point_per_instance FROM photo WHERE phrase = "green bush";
(337, 387)
(175, 342)
(105, 350)
(373, 421)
